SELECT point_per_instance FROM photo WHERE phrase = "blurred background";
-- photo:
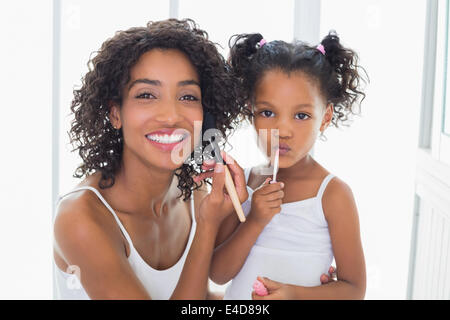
(395, 157)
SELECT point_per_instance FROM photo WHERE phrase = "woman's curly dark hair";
(98, 143)
(337, 71)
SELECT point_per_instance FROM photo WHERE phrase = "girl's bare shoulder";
(338, 199)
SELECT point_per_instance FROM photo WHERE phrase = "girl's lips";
(283, 151)
(284, 148)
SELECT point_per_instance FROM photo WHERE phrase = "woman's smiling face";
(291, 103)
(161, 103)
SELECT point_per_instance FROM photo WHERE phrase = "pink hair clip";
(321, 48)
(261, 43)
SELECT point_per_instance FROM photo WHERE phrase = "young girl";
(296, 225)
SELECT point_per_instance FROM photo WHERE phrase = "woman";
(124, 229)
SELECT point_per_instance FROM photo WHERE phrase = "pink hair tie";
(261, 43)
(321, 48)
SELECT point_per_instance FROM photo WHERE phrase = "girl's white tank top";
(160, 284)
(294, 247)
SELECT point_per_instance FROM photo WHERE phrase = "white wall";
(25, 133)
(376, 156)
(85, 26)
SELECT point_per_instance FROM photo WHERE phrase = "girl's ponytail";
(242, 49)
(344, 85)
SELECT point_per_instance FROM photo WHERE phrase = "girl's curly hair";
(98, 143)
(337, 71)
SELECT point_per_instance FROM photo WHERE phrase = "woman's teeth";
(166, 138)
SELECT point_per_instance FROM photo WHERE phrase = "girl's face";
(293, 105)
(160, 104)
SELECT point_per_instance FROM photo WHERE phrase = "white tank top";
(160, 284)
(294, 247)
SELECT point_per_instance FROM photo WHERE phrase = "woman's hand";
(277, 290)
(266, 202)
(217, 204)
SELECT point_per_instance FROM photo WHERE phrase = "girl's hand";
(277, 290)
(217, 204)
(266, 202)
(330, 277)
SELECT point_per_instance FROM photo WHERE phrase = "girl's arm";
(341, 213)
(230, 255)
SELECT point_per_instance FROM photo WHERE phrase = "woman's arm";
(105, 272)
(193, 283)
(341, 213)
(215, 207)
(82, 240)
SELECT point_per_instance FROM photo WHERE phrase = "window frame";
(440, 142)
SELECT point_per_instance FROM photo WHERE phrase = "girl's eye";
(302, 116)
(145, 95)
(188, 97)
(266, 113)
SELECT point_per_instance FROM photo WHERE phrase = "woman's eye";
(188, 97)
(302, 116)
(145, 95)
(266, 113)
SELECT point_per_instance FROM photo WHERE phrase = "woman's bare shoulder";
(86, 235)
(82, 203)
(75, 214)
(82, 217)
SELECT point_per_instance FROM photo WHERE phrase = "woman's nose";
(168, 113)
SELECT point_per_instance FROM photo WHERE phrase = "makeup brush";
(210, 123)
(275, 165)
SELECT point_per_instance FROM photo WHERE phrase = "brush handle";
(275, 165)
(231, 189)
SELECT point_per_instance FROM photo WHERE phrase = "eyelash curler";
(209, 122)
